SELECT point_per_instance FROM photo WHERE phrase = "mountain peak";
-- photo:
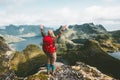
(89, 28)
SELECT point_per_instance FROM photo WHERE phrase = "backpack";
(48, 45)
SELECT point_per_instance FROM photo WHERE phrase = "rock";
(4, 60)
(67, 73)
(72, 46)
(76, 68)
(9, 75)
(91, 73)
(3, 46)
(58, 64)
(109, 46)
(77, 72)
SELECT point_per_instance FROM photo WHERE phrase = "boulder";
(79, 71)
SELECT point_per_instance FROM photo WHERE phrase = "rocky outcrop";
(8, 75)
(3, 46)
(4, 60)
(109, 46)
(80, 71)
(86, 43)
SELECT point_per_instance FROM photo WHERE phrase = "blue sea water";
(116, 55)
(19, 46)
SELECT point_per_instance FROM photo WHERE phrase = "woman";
(49, 47)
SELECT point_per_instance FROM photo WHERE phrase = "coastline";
(115, 55)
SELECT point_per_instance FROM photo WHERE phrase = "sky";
(60, 12)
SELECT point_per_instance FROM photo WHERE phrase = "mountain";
(116, 35)
(88, 28)
(84, 31)
(87, 44)
(79, 34)
(18, 37)
(91, 44)
(92, 54)
(21, 30)
(29, 65)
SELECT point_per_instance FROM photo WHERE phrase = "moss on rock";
(40, 76)
(28, 62)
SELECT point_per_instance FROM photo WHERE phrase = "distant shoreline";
(115, 55)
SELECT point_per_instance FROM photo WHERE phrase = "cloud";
(9, 2)
(117, 20)
(109, 0)
(104, 13)
(19, 14)
(51, 16)
(35, 12)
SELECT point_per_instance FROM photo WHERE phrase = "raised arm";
(42, 31)
(64, 27)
